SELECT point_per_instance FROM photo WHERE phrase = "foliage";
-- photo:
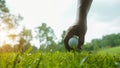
(3, 7)
(6, 48)
(46, 37)
(25, 37)
(9, 23)
(59, 60)
(61, 43)
(6, 18)
(114, 50)
(107, 41)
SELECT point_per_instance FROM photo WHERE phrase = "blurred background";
(42, 24)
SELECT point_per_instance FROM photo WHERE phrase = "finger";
(66, 39)
(81, 41)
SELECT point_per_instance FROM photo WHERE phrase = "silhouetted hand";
(75, 30)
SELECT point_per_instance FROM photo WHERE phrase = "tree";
(6, 48)
(34, 49)
(7, 18)
(46, 37)
(3, 7)
(107, 41)
(8, 21)
(61, 43)
(62, 38)
(111, 40)
(25, 36)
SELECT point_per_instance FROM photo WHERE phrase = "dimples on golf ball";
(73, 42)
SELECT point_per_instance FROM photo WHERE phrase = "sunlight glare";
(3, 37)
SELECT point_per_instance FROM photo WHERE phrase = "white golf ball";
(73, 42)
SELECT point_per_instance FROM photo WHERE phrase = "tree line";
(107, 41)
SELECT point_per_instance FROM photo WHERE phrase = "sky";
(103, 17)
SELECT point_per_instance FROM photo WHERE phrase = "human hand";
(75, 30)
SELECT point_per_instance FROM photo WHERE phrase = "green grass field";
(102, 59)
(115, 50)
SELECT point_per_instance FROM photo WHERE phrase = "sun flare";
(3, 37)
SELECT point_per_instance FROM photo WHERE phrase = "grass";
(101, 59)
(114, 50)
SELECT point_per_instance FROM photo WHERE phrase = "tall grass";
(59, 60)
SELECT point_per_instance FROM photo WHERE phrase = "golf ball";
(73, 42)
